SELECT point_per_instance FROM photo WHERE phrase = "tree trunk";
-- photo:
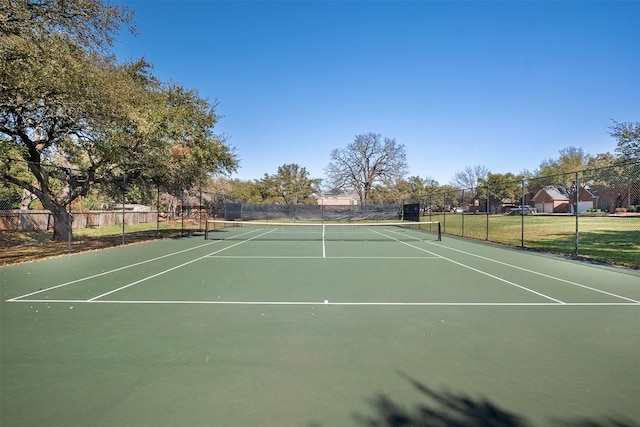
(61, 223)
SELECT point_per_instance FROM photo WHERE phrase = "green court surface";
(194, 332)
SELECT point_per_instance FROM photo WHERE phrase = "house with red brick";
(551, 199)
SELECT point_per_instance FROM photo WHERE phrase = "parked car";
(457, 210)
(520, 210)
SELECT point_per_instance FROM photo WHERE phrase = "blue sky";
(503, 84)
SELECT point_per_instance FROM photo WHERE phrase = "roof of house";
(553, 192)
(558, 193)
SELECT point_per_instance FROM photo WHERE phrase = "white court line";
(333, 303)
(476, 270)
(548, 276)
(324, 246)
(321, 257)
(120, 268)
(111, 271)
(174, 268)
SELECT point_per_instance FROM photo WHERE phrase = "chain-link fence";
(6, 205)
(169, 208)
(592, 213)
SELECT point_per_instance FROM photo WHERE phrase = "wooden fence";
(42, 220)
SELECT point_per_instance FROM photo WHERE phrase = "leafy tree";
(627, 135)
(497, 188)
(78, 118)
(613, 177)
(89, 24)
(561, 171)
(184, 149)
(365, 163)
(609, 180)
(245, 191)
(448, 196)
(49, 69)
(395, 193)
(291, 185)
(602, 160)
(12, 196)
(416, 189)
(431, 189)
(423, 191)
(50, 95)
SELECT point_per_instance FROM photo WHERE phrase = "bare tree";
(367, 161)
(468, 179)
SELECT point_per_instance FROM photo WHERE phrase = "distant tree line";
(373, 168)
(77, 126)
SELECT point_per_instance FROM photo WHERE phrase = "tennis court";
(273, 326)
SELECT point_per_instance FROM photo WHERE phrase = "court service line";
(548, 276)
(476, 270)
(174, 268)
(319, 257)
(112, 271)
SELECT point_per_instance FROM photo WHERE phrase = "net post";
(439, 232)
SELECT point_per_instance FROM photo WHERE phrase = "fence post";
(200, 212)
(158, 210)
(522, 218)
(577, 204)
(124, 196)
(462, 231)
(182, 212)
(488, 207)
(69, 218)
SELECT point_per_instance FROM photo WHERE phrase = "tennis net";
(374, 231)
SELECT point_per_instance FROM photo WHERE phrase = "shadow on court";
(449, 409)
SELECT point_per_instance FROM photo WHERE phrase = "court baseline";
(344, 304)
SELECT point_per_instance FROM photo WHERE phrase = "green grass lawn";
(603, 238)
